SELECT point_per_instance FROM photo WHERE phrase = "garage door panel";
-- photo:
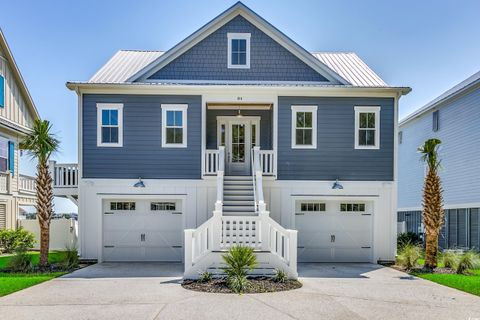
(318, 254)
(142, 234)
(351, 254)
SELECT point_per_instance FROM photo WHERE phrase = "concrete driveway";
(152, 291)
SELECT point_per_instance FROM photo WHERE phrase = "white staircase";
(240, 218)
(238, 195)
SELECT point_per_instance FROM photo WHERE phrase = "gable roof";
(18, 76)
(126, 63)
(460, 88)
(238, 9)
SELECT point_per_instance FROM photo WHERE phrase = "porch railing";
(5, 182)
(65, 175)
(27, 184)
(212, 162)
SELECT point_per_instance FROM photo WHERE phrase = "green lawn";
(470, 283)
(10, 282)
(53, 257)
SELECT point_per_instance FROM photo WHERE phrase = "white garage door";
(334, 231)
(142, 230)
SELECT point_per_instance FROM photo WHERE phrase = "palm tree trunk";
(431, 249)
(44, 210)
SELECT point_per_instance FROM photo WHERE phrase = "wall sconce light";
(139, 183)
(337, 185)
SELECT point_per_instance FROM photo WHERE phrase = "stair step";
(237, 178)
(228, 187)
(248, 202)
(236, 197)
(238, 182)
(239, 209)
(238, 192)
(239, 214)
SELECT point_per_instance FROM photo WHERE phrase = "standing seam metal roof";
(126, 63)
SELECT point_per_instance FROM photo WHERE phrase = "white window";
(352, 207)
(436, 121)
(3, 154)
(367, 127)
(122, 206)
(312, 206)
(109, 124)
(174, 125)
(163, 206)
(304, 127)
(238, 50)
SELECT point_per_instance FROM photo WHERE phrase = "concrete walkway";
(152, 291)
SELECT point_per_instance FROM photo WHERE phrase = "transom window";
(312, 206)
(174, 125)
(110, 125)
(162, 206)
(367, 127)
(352, 207)
(304, 127)
(122, 206)
(238, 50)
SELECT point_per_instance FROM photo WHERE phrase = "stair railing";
(254, 181)
(220, 176)
(257, 172)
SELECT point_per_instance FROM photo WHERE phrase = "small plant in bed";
(240, 260)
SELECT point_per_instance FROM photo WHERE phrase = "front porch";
(238, 128)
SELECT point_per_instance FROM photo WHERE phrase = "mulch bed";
(421, 270)
(257, 285)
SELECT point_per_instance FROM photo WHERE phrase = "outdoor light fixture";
(239, 114)
(139, 184)
(337, 185)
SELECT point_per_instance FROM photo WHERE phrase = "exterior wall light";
(139, 184)
(337, 185)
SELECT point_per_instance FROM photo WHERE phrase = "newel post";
(188, 254)
(292, 252)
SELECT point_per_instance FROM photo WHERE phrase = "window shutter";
(11, 157)
(2, 92)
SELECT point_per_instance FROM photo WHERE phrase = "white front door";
(239, 135)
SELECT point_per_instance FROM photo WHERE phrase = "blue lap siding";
(207, 60)
(142, 154)
(335, 155)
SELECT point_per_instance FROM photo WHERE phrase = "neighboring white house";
(17, 114)
(237, 135)
(453, 118)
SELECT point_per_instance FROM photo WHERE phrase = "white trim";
(239, 107)
(367, 109)
(238, 36)
(469, 205)
(109, 106)
(174, 107)
(306, 108)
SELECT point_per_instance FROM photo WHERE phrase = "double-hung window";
(174, 125)
(238, 50)
(109, 124)
(304, 127)
(2, 92)
(367, 127)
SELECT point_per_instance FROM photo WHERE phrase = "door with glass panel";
(238, 148)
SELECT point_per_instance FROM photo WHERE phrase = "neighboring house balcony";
(26, 184)
(65, 180)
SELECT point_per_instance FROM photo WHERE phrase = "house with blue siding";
(453, 118)
(235, 136)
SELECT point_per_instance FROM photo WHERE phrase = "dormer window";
(238, 50)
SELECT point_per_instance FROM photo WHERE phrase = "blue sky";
(427, 45)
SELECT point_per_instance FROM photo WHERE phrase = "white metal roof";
(350, 67)
(125, 63)
(459, 88)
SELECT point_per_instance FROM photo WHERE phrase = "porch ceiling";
(238, 106)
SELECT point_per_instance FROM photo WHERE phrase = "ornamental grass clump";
(21, 261)
(450, 259)
(467, 261)
(239, 260)
(408, 256)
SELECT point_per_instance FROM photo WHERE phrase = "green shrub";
(69, 259)
(408, 238)
(408, 256)
(13, 239)
(450, 259)
(21, 261)
(205, 276)
(239, 260)
(280, 276)
(468, 260)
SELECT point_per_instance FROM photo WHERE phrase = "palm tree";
(433, 213)
(40, 144)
